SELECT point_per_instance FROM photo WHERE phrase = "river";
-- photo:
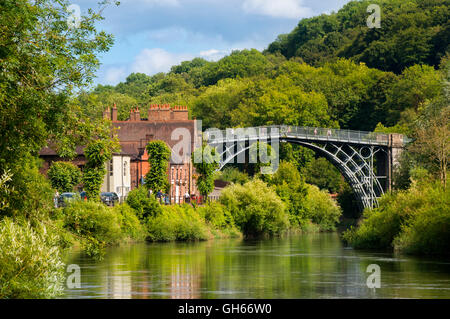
(303, 266)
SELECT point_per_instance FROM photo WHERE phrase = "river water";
(303, 266)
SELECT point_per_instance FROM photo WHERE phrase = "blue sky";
(153, 35)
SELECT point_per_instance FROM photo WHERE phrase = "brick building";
(128, 168)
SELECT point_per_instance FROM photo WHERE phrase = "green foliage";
(291, 188)
(411, 33)
(188, 66)
(215, 105)
(64, 176)
(95, 224)
(219, 218)
(206, 161)
(322, 173)
(30, 193)
(412, 221)
(30, 262)
(322, 210)
(281, 101)
(144, 205)
(5, 190)
(306, 204)
(44, 62)
(232, 175)
(256, 208)
(416, 84)
(245, 63)
(347, 202)
(92, 181)
(177, 223)
(97, 153)
(158, 157)
(129, 223)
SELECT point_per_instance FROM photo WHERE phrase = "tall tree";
(206, 162)
(43, 61)
(158, 157)
(97, 153)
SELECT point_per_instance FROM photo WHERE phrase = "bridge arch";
(355, 154)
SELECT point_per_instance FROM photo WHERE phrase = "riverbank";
(414, 221)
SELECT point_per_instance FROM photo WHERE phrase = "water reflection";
(308, 266)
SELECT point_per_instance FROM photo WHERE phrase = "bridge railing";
(310, 133)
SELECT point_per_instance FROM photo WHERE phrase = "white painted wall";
(120, 179)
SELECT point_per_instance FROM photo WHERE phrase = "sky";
(153, 35)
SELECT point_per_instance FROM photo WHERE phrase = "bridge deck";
(295, 132)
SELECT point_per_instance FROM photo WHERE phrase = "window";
(111, 170)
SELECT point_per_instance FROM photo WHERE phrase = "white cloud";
(152, 61)
(213, 54)
(114, 75)
(292, 9)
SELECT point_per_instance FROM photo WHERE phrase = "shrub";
(92, 181)
(144, 205)
(232, 175)
(64, 176)
(379, 226)
(220, 219)
(428, 231)
(129, 223)
(30, 262)
(413, 221)
(256, 208)
(93, 221)
(30, 193)
(177, 223)
(322, 209)
(290, 187)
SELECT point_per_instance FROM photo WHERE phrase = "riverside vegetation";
(331, 71)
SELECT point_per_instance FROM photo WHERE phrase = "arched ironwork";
(352, 152)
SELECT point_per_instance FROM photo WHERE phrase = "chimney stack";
(107, 114)
(137, 114)
(114, 113)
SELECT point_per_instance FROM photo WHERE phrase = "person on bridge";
(315, 131)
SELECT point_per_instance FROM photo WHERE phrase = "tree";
(158, 157)
(64, 176)
(256, 208)
(290, 186)
(415, 86)
(43, 61)
(433, 141)
(206, 162)
(97, 153)
(413, 32)
(322, 173)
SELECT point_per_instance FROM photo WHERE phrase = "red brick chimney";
(137, 114)
(114, 113)
(107, 114)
